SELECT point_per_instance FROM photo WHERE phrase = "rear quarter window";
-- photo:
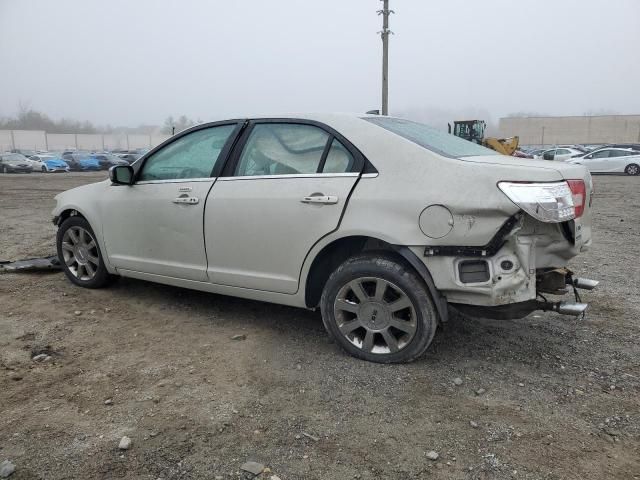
(437, 141)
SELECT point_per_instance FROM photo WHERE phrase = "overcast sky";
(126, 62)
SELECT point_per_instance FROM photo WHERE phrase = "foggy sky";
(127, 62)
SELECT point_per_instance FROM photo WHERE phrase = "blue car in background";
(48, 163)
(81, 161)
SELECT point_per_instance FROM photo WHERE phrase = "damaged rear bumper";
(505, 278)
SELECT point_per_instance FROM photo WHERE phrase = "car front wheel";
(80, 254)
(379, 310)
(632, 169)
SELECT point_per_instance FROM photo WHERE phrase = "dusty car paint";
(385, 206)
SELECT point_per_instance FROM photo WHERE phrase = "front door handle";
(186, 200)
(323, 199)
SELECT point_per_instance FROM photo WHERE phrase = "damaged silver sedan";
(380, 222)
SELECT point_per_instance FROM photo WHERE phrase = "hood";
(15, 162)
(55, 162)
(544, 168)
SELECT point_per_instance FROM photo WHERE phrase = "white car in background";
(47, 163)
(560, 153)
(611, 160)
(34, 163)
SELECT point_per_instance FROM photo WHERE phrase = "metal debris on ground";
(31, 264)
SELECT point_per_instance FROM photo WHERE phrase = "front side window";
(601, 154)
(282, 149)
(431, 138)
(192, 156)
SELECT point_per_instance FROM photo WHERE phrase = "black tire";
(400, 282)
(632, 169)
(101, 277)
(5, 169)
(44, 169)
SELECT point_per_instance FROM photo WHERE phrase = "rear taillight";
(548, 202)
(579, 194)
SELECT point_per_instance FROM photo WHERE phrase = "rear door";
(286, 187)
(618, 160)
(155, 225)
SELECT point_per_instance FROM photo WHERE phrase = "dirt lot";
(561, 397)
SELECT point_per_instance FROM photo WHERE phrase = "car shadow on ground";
(462, 338)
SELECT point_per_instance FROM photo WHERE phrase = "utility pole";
(384, 34)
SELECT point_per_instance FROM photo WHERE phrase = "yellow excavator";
(473, 131)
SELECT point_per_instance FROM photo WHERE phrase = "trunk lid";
(565, 170)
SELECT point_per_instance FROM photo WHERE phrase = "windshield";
(14, 157)
(431, 138)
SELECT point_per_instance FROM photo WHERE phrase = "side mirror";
(121, 175)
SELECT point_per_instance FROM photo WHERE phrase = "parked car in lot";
(560, 153)
(611, 160)
(81, 161)
(536, 152)
(360, 216)
(23, 151)
(130, 157)
(108, 160)
(48, 163)
(14, 163)
(521, 154)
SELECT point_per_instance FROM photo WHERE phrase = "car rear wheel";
(80, 254)
(632, 169)
(5, 169)
(379, 310)
(44, 169)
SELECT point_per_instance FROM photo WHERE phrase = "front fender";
(84, 201)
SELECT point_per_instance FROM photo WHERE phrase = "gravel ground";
(547, 397)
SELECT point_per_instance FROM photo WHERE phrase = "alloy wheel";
(633, 170)
(375, 315)
(80, 253)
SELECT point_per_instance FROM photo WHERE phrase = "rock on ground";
(252, 467)
(125, 443)
(6, 469)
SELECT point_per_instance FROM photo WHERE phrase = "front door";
(597, 161)
(155, 225)
(285, 190)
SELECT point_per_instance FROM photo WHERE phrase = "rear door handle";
(324, 199)
(186, 200)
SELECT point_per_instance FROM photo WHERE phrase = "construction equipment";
(473, 131)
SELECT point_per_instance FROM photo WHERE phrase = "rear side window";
(619, 153)
(339, 160)
(282, 149)
(431, 138)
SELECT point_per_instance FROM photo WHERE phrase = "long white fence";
(586, 129)
(41, 140)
